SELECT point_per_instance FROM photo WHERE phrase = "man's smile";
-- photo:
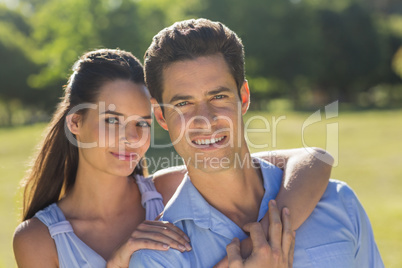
(209, 141)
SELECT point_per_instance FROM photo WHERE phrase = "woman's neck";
(100, 195)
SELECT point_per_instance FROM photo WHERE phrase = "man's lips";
(209, 141)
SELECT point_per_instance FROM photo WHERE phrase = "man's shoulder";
(340, 189)
(156, 258)
(338, 232)
(339, 200)
(167, 180)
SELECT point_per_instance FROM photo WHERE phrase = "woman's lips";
(125, 156)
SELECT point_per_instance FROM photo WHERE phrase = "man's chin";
(211, 163)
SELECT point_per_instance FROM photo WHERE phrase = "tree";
(16, 65)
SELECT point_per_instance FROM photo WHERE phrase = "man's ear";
(159, 113)
(73, 122)
(245, 97)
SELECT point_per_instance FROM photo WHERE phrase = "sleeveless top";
(71, 250)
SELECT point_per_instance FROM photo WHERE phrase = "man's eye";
(143, 124)
(219, 97)
(183, 103)
(112, 120)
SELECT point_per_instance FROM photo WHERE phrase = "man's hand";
(275, 253)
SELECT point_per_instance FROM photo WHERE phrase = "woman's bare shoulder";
(33, 245)
(167, 180)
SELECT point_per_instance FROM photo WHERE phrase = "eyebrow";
(209, 93)
(120, 114)
(180, 97)
(112, 112)
(218, 91)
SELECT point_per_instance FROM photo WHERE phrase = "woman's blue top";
(72, 251)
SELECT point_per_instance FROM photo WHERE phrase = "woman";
(86, 199)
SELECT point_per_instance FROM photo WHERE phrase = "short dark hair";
(190, 39)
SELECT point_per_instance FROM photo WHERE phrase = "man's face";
(203, 112)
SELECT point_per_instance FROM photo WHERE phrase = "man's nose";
(204, 117)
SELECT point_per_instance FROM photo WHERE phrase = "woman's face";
(115, 132)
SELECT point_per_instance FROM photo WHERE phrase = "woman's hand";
(156, 235)
(277, 252)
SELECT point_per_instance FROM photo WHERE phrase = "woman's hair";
(54, 168)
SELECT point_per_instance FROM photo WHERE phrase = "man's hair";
(190, 39)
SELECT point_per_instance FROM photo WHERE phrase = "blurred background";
(301, 55)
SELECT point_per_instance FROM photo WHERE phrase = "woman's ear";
(158, 112)
(73, 122)
(245, 97)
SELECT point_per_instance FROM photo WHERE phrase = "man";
(195, 71)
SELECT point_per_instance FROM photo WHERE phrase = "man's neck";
(237, 191)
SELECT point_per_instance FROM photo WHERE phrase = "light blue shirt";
(337, 234)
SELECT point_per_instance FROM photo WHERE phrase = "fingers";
(291, 251)
(144, 243)
(164, 233)
(275, 227)
(287, 235)
(224, 263)
(233, 251)
(265, 224)
(256, 234)
(169, 226)
(121, 256)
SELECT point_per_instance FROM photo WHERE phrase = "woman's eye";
(143, 124)
(112, 120)
(183, 103)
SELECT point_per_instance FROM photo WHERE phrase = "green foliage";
(308, 51)
(62, 31)
(351, 52)
(17, 65)
(397, 62)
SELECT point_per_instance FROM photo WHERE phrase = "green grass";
(16, 148)
(369, 160)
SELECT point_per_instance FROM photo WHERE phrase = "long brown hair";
(54, 168)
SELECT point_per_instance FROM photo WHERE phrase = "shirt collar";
(272, 177)
(188, 204)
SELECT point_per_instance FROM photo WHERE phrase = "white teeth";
(208, 141)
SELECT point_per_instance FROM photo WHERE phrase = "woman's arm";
(33, 245)
(305, 178)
